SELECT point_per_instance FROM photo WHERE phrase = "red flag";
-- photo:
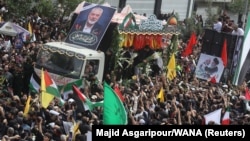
(247, 94)
(119, 93)
(189, 48)
(213, 80)
(224, 53)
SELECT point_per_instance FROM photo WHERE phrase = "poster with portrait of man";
(209, 67)
(90, 25)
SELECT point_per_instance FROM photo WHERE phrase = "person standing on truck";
(237, 30)
(218, 25)
(91, 25)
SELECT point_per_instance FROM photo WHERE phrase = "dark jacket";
(96, 30)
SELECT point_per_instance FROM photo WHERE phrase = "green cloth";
(114, 112)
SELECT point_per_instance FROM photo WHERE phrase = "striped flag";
(49, 89)
(244, 63)
(128, 22)
(35, 83)
(88, 105)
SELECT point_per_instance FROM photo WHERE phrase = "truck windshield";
(60, 62)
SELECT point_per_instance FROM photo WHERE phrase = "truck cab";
(68, 62)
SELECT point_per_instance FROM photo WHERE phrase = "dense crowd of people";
(187, 98)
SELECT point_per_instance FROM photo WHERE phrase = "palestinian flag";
(88, 105)
(49, 89)
(35, 83)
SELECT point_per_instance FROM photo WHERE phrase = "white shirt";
(218, 26)
(238, 32)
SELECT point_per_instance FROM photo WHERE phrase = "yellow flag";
(27, 106)
(45, 97)
(76, 129)
(30, 28)
(161, 95)
(171, 68)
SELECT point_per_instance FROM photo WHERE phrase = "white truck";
(68, 62)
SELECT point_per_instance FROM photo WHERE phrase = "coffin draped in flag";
(244, 62)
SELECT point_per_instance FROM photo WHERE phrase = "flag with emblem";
(114, 112)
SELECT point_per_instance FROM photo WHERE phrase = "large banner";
(209, 67)
(243, 64)
(90, 25)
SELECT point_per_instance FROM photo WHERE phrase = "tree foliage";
(237, 6)
(18, 8)
(211, 16)
(47, 8)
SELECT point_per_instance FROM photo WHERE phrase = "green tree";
(47, 8)
(17, 8)
(237, 6)
(190, 26)
(211, 16)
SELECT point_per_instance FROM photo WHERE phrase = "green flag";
(114, 112)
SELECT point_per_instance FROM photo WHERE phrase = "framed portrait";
(208, 67)
(90, 25)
